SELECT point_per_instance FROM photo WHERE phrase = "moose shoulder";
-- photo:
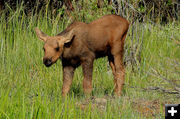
(81, 43)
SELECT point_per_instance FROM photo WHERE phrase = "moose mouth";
(48, 65)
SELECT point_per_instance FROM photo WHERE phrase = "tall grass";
(30, 90)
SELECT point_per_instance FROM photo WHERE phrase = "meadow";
(29, 90)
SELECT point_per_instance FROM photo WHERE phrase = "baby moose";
(81, 43)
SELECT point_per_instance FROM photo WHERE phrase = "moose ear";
(42, 36)
(68, 37)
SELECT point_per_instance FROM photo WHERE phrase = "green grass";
(30, 90)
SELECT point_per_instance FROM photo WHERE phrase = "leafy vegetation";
(30, 90)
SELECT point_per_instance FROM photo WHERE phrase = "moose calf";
(81, 43)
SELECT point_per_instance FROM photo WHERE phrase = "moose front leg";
(87, 67)
(68, 72)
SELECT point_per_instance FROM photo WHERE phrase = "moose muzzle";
(47, 62)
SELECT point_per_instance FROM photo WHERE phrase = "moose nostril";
(48, 61)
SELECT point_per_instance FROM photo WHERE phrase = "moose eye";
(57, 49)
(44, 49)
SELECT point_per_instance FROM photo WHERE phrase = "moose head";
(53, 45)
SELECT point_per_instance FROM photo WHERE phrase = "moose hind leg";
(119, 74)
(111, 63)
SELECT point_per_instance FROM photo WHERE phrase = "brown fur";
(81, 43)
